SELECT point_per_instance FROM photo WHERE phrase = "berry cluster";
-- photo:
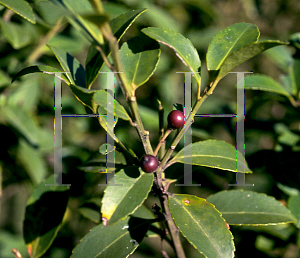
(149, 163)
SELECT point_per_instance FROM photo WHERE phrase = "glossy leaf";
(85, 96)
(240, 56)
(294, 205)
(74, 70)
(202, 224)
(240, 207)
(212, 153)
(100, 98)
(41, 69)
(118, 240)
(43, 216)
(20, 7)
(120, 201)
(119, 26)
(182, 46)
(264, 83)
(139, 58)
(228, 41)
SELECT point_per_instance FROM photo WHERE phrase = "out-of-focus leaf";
(8, 241)
(14, 33)
(183, 48)
(91, 210)
(285, 135)
(282, 231)
(240, 207)
(4, 79)
(120, 201)
(139, 57)
(295, 39)
(20, 7)
(281, 56)
(295, 76)
(120, 239)
(212, 153)
(32, 161)
(294, 205)
(288, 190)
(22, 122)
(43, 216)
(202, 225)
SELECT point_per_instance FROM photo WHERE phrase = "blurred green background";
(27, 116)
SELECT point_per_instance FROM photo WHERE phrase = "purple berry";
(176, 119)
(149, 163)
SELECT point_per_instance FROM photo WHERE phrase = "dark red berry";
(149, 163)
(176, 119)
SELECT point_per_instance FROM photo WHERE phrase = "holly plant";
(125, 218)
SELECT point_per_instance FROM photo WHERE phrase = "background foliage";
(26, 151)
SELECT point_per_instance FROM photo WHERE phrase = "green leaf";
(288, 190)
(96, 19)
(41, 69)
(295, 75)
(139, 58)
(43, 216)
(295, 39)
(228, 41)
(32, 161)
(72, 10)
(14, 33)
(85, 96)
(106, 148)
(91, 210)
(20, 7)
(212, 153)
(119, 26)
(118, 240)
(120, 201)
(240, 56)
(240, 207)
(294, 205)
(74, 70)
(22, 122)
(202, 225)
(99, 165)
(281, 55)
(264, 83)
(182, 46)
(100, 98)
